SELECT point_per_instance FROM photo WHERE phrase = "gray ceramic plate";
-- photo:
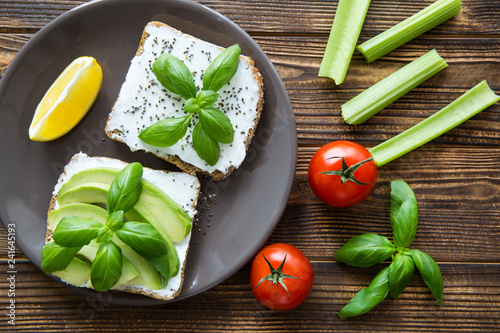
(244, 209)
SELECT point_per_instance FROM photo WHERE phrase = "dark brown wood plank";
(10, 44)
(478, 17)
(31, 15)
(471, 304)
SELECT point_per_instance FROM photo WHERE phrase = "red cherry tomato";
(360, 173)
(287, 283)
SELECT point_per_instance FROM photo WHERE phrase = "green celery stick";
(463, 108)
(429, 17)
(386, 91)
(344, 35)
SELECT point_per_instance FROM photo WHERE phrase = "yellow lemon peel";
(67, 100)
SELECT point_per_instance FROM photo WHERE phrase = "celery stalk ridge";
(344, 35)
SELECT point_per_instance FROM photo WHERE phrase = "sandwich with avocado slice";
(120, 226)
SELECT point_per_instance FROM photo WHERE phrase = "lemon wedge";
(67, 101)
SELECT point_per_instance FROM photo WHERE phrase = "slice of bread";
(142, 101)
(181, 187)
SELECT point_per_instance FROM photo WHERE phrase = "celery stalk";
(377, 97)
(455, 113)
(344, 35)
(431, 16)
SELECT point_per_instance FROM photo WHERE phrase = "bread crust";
(130, 289)
(217, 175)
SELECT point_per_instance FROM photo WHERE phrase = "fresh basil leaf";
(174, 75)
(115, 220)
(365, 250)
(430, 272)
(107, 266)
(192, 106)
(404, 213)
(143, 238)
(217, 124)
(166, 132)
(222, 69)
(125, 189)
(207, 98)
(73, 231)
(368, 297)
(400, 273)
(205, 146)
(104, 234)
(56, 257)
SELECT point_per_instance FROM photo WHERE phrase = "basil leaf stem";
(207, 98)
(205, 146)
(107, 266)
(217, 124)
(365, 250)
(143, 238)
(56, 257)
(430, 272)
(104, 234)
(369, 297)
(222, 69)
(166, 132)
(174, 75)
(115, 220)
(403, 213)
(400, 273)
(73, 231)
(125, 189)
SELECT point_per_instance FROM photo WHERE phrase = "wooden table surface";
(456, 179)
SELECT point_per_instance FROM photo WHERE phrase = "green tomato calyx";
(276, 275)
(347, 172)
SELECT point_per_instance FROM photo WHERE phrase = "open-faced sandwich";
(188, 101)
(115, 225)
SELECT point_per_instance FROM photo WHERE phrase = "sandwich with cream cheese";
(142, 101)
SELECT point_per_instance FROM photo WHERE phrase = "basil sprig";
(213, 126)
(370, 249)
(72, 233)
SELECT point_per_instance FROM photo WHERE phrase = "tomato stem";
(347, 172)
(276, 275)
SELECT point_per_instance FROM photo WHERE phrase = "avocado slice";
(134, 266)
(76, 200)
(77, 273)
(91, 193)
(82, 210)
(169, 214)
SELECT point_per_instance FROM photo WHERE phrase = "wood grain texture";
(470, 304)
(456, 179)
(478, 17)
